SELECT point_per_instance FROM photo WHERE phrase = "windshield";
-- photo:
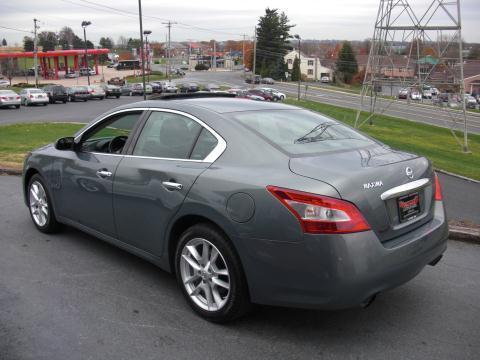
(36, 91)
(302, 132)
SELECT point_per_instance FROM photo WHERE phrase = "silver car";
(33, 96)
(245, 201)
(9, 98)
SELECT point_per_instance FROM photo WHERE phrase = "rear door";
(151, 183)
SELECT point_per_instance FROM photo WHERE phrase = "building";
(471, 76)
(311, 67)
(390, 67)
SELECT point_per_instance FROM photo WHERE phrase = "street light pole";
(84, 25)
(147, 51)
(299, 66)
(35, 51)
(142, 49)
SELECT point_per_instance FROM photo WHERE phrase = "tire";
(102, 98)
(118, 96)
(282, 98)
(84, 100)
(45, 104)
(64, 101)
(17, 106)
(40, 206)
(226, 303)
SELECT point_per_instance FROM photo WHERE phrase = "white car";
(96, 92)
(170, 87)
(470, 101)
(31, 96)
(281, 96)
(325, 79)
(9, 98)
(4, 83)
(415, 95)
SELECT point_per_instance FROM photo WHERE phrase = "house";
(471, 76)
(394, 66)
(311, 67)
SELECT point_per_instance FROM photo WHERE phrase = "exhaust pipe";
(435, 261)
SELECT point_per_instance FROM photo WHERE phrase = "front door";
(87, 174)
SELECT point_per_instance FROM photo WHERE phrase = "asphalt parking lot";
(70, 296)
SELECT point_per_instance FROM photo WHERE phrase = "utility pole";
(214, 55)
(84, 25)
(299, 66)
(169, 26)
(254, 56)
(243, 51)
(35, 50)
(142, 48)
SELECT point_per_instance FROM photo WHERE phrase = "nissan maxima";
(245, 202)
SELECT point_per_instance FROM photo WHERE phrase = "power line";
(14, 29)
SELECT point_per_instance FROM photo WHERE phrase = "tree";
(296, 69)
(77, 43)
(66, 37)
(106, 42)
(48, 40)
(122, 42)
(133, 43)
(90, 45)
(28, 43)
(273, 32)
(346, 63)
(4, 42)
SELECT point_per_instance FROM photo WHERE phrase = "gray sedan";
(245, 202)
(9, 98)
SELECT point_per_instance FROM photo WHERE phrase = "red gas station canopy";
(54, 53)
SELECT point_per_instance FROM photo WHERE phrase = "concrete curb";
(457, 176)
(8, 171)
(464, 234)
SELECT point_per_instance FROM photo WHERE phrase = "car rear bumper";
(38, 101)
(10, 103)
(341, 271)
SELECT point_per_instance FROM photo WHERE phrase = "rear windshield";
(299, 132)
(36, 91)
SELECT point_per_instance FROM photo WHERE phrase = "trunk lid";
(361, 176)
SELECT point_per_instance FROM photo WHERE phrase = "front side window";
(111, 135)
(174, 136)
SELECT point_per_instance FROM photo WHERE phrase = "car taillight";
(3, 98)
(320, 214)
(31, 96)
(438, 190)
(18, 97)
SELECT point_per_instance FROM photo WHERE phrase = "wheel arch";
(26, 179)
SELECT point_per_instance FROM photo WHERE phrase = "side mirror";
(65, 143)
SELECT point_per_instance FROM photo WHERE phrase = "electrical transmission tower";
(416, 52)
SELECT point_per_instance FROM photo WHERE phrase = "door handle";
(103, 173)
(172, 185)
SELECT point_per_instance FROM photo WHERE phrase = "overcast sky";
(205, 20)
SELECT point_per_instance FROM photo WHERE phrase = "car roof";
(219, 105)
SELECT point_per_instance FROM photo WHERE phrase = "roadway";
(71, 296)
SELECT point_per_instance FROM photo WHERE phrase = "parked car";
(4, 83)
(268, 81)
(33, 96)
(266, 95)
(71, 75)
(111, 90)
(169, 87)
(212, 88)
(156, 87)
(136, 89)
(427, 94)
(96, 92)
(9, 98)
(56, 93)
(243, 93)
(470, 101)
(415, 95)
(189, 87)
(87, 71)
(78, 93)
(277, 94)
(116, 81)
(245, 202)
(256, 79)
(403, 93)
(325, 79)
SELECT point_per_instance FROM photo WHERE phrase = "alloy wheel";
(205, 274)
(38, 204)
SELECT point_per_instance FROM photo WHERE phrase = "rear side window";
(205, 144)
(167, 135)
(299, 132)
